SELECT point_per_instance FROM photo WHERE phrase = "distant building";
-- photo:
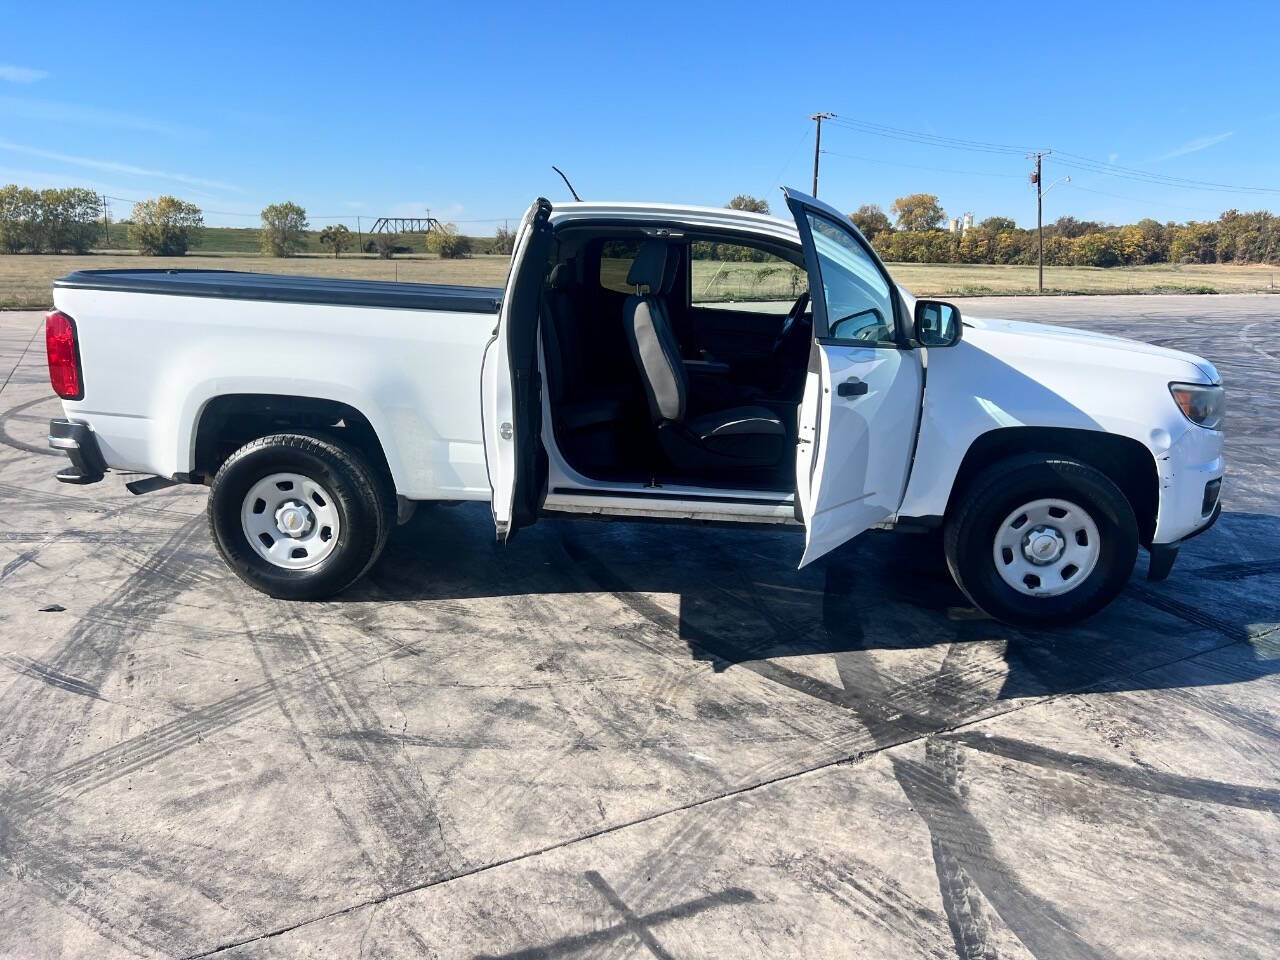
(960, 224)
(953, 225)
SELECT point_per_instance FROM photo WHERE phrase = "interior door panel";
(730, 335)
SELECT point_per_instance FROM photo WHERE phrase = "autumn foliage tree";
(744, 201)
(918, 211)
(871, 220)
(336, 236)
(282, 227)
(447, 243)
(165, 226)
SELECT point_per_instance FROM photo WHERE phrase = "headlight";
(1200, 403)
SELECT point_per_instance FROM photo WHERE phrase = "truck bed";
(239, 285)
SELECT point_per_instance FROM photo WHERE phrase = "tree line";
(70, 220)
(48, 221)
(916, 235)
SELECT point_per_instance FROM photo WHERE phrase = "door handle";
(853, 387)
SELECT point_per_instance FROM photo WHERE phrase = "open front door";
(511, 386)
(861, 405)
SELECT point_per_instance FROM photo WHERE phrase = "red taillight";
(64, 355)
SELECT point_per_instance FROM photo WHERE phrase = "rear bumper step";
(77, 441)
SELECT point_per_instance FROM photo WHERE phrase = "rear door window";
(615, 262)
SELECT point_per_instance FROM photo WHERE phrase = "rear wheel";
(1041, 541)
(299, 517)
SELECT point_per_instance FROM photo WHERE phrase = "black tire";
(970, 530)
(362, 498)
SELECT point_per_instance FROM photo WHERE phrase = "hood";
(986, 329)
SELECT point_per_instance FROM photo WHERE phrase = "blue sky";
(371, 109)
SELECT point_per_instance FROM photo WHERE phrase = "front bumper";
(77, 441)
(1164, 554)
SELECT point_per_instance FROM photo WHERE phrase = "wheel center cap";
(1043, 545)
(293, 519)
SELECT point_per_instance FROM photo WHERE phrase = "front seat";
(743, 436)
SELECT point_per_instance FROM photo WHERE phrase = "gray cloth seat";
(739, 436)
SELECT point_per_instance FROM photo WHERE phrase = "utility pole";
(106, 224)
(1038, 180)
(359, 237)
(817, 146)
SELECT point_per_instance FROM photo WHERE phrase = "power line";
(1074, 160)
(777, 181)
(933, 139)
(916, 166)
(1143, 200)
(1146, 176)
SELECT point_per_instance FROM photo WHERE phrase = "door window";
(859, 299)
(734, 276)
(615, 263)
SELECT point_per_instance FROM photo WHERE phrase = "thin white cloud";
(1195, 146)
(108, 166)
(52, 111)
(15, 74)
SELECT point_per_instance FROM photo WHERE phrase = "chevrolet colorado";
(619, 372)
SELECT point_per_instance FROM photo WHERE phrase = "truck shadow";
(735, 599)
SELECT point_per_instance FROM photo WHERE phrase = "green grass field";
(25, 280)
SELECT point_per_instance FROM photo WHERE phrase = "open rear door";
(861, 405)
(511, 387)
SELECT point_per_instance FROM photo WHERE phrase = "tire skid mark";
(885, 723)
(39, 499)
(281, 701)
(388, 789)
(47, 674)
(145, 539)
(91, 654)
(862, 887)
(8, 440)
(1243, 570)
(21, 560)
(892, 711)
(1102, 771)
(69, 876)
(1191, 614)
(106, 766)
(964, 859)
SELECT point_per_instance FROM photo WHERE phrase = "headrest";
(562, 275)
(653, 267)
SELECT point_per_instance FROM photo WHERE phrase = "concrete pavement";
(613, 739)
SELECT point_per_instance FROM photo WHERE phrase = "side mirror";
(937, 324)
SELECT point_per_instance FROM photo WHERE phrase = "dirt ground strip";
(624, 739)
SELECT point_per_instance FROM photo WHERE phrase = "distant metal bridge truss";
(405, 225)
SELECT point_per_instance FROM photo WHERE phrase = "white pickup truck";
(642, 361)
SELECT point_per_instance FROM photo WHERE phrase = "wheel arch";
(229, 421)
(1125, 461)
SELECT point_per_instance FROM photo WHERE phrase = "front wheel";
(1041, 541)
(298, 517)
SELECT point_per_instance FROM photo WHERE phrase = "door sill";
(677, 504)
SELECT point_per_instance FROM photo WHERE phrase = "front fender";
(972, 390)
